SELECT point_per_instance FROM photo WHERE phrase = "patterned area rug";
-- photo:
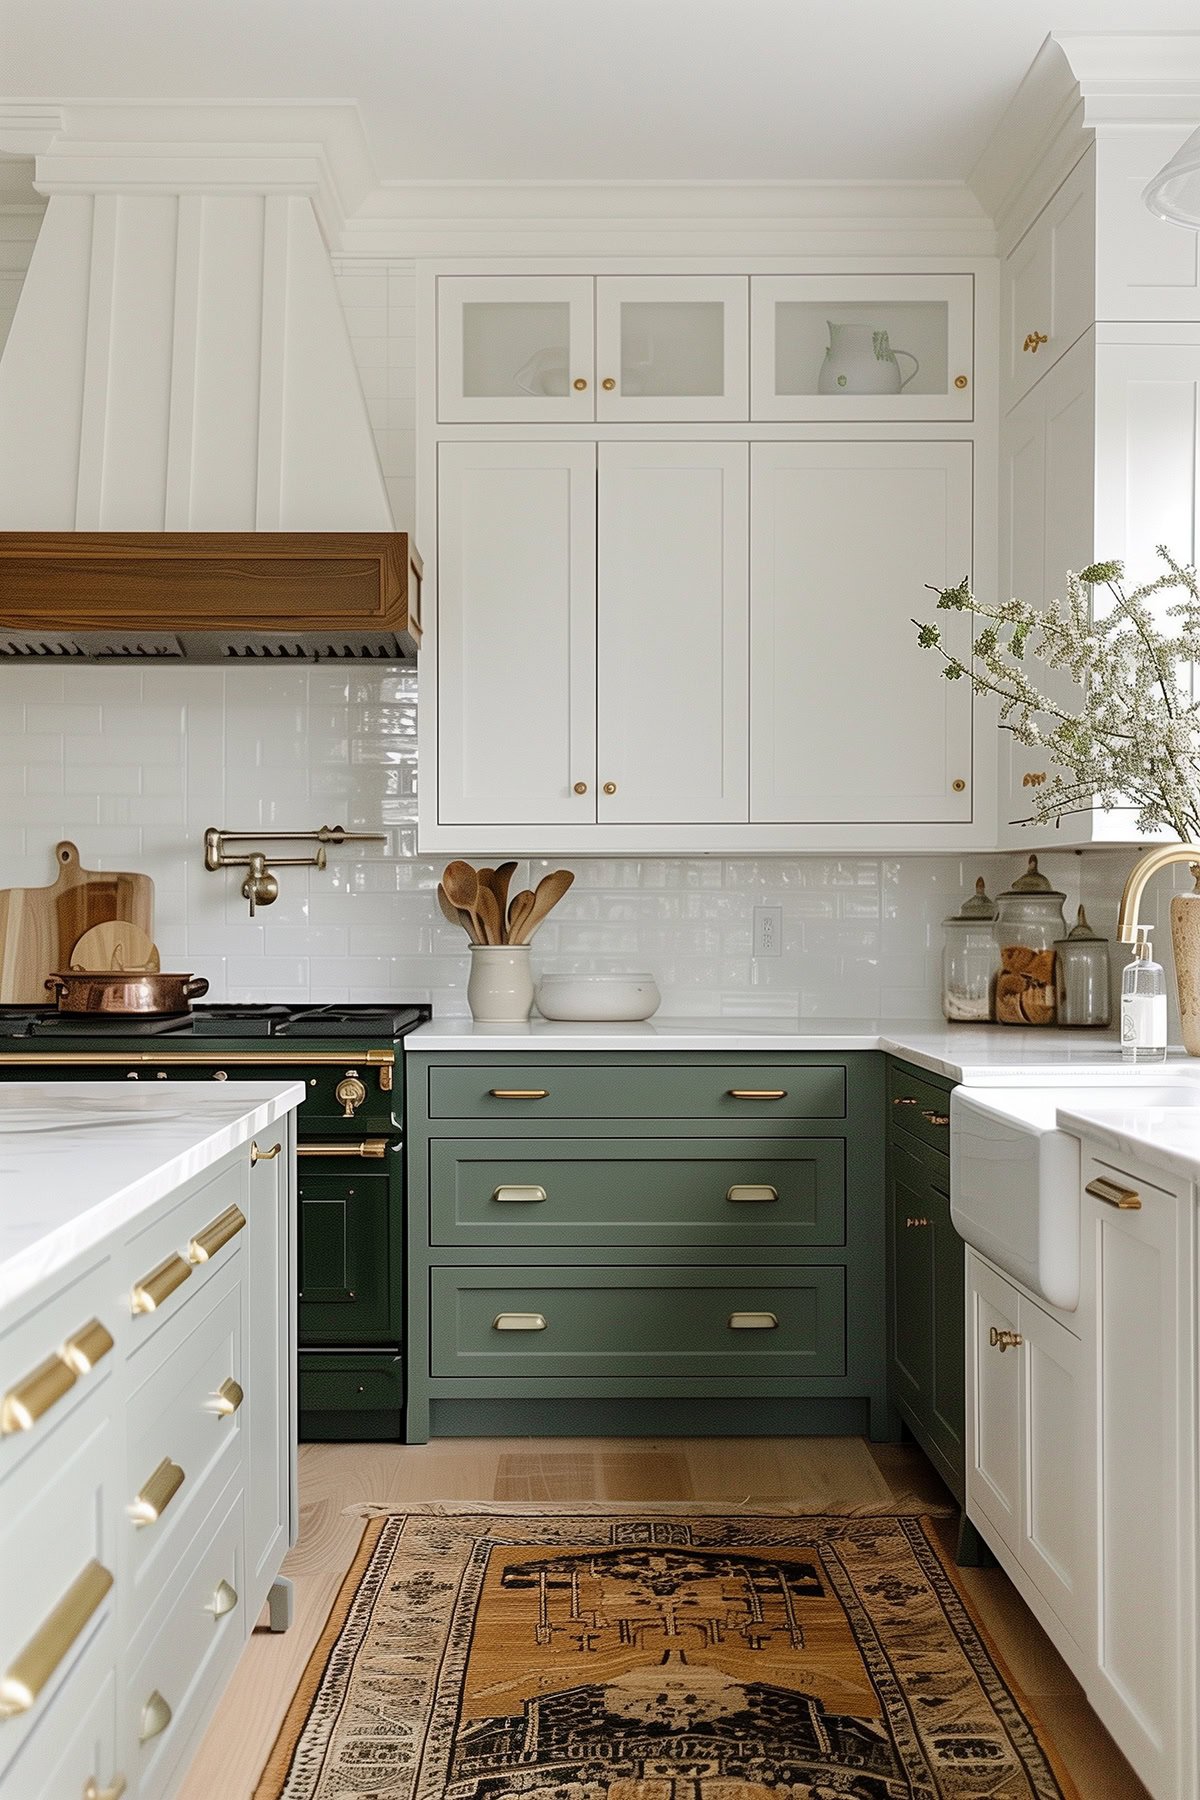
(628, 1654)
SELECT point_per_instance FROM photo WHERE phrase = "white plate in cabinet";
(852, 722)
(929, 322)
(672, 347)
(1049, 284)
(515, 349)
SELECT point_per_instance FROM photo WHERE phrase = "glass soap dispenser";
(969, 959)
(1143, 1005)
(1082, 976)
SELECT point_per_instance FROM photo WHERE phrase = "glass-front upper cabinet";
(672, 347)
(862, 347)
(515, 349)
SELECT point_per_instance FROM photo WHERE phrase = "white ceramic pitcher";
(860, 360)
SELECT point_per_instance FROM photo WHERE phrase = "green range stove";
(351, 1165)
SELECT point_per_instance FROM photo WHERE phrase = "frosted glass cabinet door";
(862, 347)
(672, 347)
(515, 349)
(852, 722)
(516, 634)
(672, 628)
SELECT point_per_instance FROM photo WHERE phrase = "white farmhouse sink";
(1014, 1176)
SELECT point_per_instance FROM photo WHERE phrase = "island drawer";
(174, 1257)
(56, 1356)
(919, 1107)
(636, 1322)
(184, 1427)
(641, 1191)
(739, 1093)
(75, 1743)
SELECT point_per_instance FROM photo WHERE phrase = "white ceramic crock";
(500, 988)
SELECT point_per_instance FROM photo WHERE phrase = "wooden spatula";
(456, 915)
(550, 890)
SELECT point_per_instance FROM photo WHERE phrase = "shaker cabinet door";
(516, 649)
(852, 722)
(672, 347)
(515, 349)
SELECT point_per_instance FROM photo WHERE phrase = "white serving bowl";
(598, 996)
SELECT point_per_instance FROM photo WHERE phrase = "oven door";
(350, 1222)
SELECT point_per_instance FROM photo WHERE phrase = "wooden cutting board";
(39, 927)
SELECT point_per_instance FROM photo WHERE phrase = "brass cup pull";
(935, 1118)
(911, 1224)
(751, 1193)
(758, 1093)
(905, 1100)
(350, 1094)
(35, 1394)
(85, 1347)
(257, 1155)
(157, 1493)
(366, 1147)
(1112, 1194)
(223, 1601)
(579, 384)
(515, 1195)
(150, 1292)
(753, 1321)
(519, 1322)
(519, 1093)
(156, 1716)
(1032, 341)
(216, 1234)
(33, 1666)
(608, 384)
(93, 1791)
(1004, 1340)
(227, 1399)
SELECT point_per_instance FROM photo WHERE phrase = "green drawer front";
(334, 1383)
(656, 1191)
(560, 1088)
(919, 1107)
(608, 1323)
(344, 1249)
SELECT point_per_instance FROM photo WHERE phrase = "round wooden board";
(116, 944)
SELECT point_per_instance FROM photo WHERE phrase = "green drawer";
(560, 1087)
(350, 1398)
(648, 1191)
(919, 1106)
(598, 1324)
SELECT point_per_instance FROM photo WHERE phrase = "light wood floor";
(812, 1473)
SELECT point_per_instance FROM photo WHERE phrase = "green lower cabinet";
(350, 1397)
(345, 1246)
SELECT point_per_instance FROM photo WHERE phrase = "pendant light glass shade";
(1174, 193)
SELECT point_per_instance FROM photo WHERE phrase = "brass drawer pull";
(150, 1292)
(514, 1195)
(33, 1396)
(520, 1093)
(1004, 1340)
(935, 1118)
(157, 1494)
(156, 1716)
(518, 1322)
(750, 1193)
(752, 1321)
(257, 1155)
(1125, 1199)
(85, 1347)
(28, 1674)
(93, 1791)
(216, 1234)
(366, 1147)
(223, 1601)
(758, 1093)
(911, 1223)
(905, 1100)
(227, 1399)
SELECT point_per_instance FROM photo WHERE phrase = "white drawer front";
(167, 1265)
(63, 1349)
(76, 1742)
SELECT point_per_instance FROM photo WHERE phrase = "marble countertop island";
(79, 1159)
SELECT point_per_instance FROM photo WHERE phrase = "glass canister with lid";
(1082, 976)
(969, 959)
(1029, 923)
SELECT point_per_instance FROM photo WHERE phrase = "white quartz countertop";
(1162, 1136)
(981, 1055)
(80, 1159)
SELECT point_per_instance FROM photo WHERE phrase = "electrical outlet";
(768, 931)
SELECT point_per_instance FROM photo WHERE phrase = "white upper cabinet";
(859, 348)
(515, 349)
(851, 720)
(672, 627)
(672, 347)
(1048, 297)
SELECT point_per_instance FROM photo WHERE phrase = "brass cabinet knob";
(610, 787)
(1004, 1340)
(579, 384)
(960, 381)
(1033, 777)
(608, 384)
(351, 1093)
(1033, 340)
(581, 787)
(959, 786)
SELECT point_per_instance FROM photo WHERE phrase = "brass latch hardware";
(260, 887)
(257, 1155)
(1033, 340)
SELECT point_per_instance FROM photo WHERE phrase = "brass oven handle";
(753, 1321)
(758, 1093)
(157, 1493)
(156, 1716)
(33, 1666)
(518, 1322)
(519, 1093)
(34, 1395)
(257, 1155)
(749, 1193)
(366, 1147)
(516, 1195)
(935, 1118)
(150, 1292)
(1125, 1199)
(85, 1347)
(216, 1234)
(1004, 1340)
(93, 1791)
(228, 1397)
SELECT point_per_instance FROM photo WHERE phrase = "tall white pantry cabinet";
(676, 582)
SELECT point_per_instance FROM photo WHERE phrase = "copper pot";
(128, 992)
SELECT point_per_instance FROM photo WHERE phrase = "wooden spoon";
(488, 914)
(456, 915)
(518, 912)
(462, 890)
(550, 890)
(498, 880)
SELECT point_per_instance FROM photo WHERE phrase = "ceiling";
(586, 90)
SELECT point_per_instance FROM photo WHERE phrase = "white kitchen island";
(147, 1418)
